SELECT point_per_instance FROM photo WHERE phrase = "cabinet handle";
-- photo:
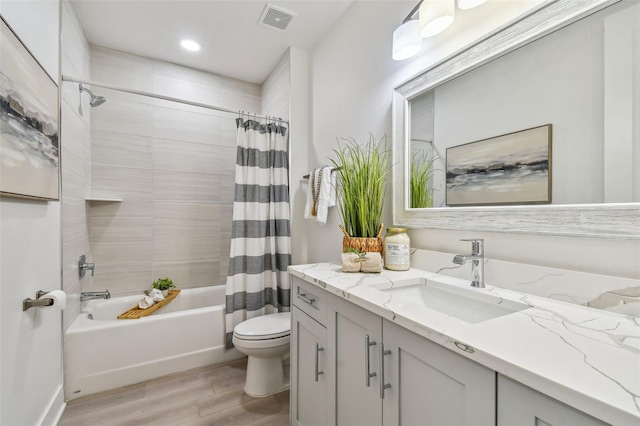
(383, 385)
(367, 360)
(302, 297)
(318, 349)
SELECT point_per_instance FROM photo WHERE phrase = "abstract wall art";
(508, 169)
(29, 123)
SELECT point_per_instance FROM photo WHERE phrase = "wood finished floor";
(204, 396)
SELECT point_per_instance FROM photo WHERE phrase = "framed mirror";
(569, 64)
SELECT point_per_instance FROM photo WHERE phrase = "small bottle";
(396, 249)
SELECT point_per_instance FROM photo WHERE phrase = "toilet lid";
(264, 327)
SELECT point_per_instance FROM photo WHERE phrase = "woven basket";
(362, 244)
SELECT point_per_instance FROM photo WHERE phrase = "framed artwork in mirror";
(508, 169)
(29, 123)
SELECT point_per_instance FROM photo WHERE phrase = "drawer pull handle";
(318, 349)
(367, 360)
(383, 385)
(302, 297)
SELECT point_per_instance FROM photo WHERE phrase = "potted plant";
(421, 169)
(362, 170)
(163, 284)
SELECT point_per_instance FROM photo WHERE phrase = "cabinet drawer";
(310, 299)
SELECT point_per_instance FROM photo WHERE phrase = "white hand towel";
(146, 302)
(156, 295)
(324, 198)
(332, 192)
(372, 262)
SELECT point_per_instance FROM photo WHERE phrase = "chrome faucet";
(90, 295)
(477, 261)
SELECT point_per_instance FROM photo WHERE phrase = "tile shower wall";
(75, 160)
(172, 164)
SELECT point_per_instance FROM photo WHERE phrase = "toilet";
(265, 340)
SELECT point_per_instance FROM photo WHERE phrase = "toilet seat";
(265, 327)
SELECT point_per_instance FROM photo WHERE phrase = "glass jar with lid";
(397, 249)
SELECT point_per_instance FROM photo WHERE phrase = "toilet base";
(265, 376)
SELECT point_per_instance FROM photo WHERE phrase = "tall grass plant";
(362, 170)
(421, 168)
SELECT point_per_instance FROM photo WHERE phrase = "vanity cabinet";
(309, 390)
(432, 385)
(311, 372)
(426, 384)
(357, 335)
(521, 405)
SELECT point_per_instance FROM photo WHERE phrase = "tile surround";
(75, 160)
(173, 165)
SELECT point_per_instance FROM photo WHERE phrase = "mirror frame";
(612, 221)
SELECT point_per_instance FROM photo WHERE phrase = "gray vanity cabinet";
(309, 374)
(520, 405)
(424, 383)
(431, 385)
(312, 375)
(355, 335)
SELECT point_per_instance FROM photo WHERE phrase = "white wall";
(31, 351)
(299, 142)
(352, 78)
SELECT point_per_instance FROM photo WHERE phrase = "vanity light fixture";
(436, 16)
(469, 4)
(190, 45)
(428, 18)
(406, 40)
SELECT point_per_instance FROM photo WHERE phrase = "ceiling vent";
(276, 17)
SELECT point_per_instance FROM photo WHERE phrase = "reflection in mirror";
(425, 160)
(581, 79)
(596, 157)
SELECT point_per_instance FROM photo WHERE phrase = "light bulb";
(406, 40)
(435, 16)
(190, 45)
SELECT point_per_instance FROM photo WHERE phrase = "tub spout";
(90, 295)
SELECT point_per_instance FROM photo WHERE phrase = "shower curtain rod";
(168, 98)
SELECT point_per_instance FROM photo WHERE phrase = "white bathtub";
(105, 353)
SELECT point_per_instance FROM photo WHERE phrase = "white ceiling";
(233, 44)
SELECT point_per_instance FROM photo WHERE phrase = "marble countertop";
(587, 358)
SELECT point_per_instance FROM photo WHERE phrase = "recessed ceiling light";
(190, 45)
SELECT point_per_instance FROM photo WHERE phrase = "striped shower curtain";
(257, 283)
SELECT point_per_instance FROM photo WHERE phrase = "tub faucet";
(90, 295)
(477, 261)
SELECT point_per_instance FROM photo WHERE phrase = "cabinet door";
(357, 401)
(309, 373)
(431, 385)
(521, 405)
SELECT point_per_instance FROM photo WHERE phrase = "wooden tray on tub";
(137, 313)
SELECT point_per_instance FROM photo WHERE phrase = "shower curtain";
(258, 283)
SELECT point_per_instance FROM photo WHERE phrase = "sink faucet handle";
(477, 245)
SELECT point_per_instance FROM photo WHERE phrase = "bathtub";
(103, 352)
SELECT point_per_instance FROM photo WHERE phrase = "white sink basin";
(469, 305)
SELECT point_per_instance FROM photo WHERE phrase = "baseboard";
(54, 411)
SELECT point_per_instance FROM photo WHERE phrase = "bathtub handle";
(318, 349)
(302, 297)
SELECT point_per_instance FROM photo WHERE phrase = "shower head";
(95, 100)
